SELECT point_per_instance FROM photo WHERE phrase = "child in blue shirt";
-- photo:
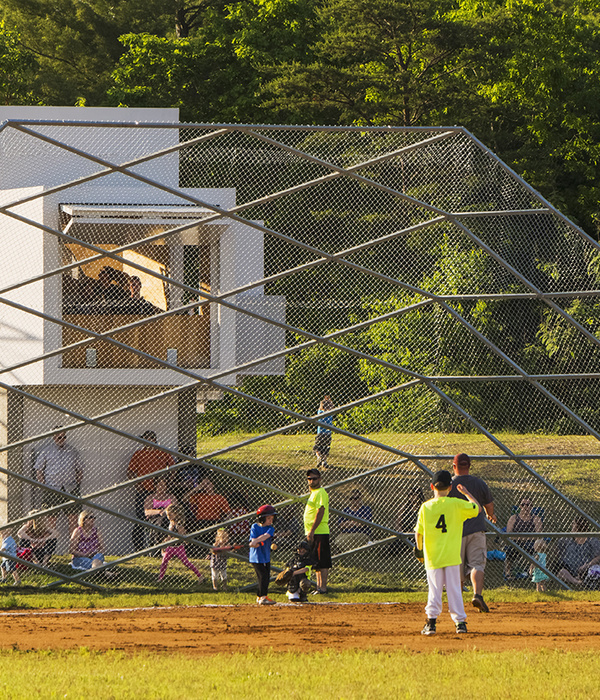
(10, 547)
(261, 539)
(537, 575)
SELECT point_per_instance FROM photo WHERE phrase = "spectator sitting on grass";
(208, 506)
(577, 555)
(239, 506)
(523, 521)
(405, 522)
(9, 546)
(42, 536)
(86, 544)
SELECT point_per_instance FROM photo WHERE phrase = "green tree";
(213, 69)
(540, 102)
(381, 62)
(17, 70)
(200, 77)
(76, 42)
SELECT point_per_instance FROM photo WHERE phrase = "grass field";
(68, 600)
(293, 451)
(365, 674)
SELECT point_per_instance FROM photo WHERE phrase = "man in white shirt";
(59, 465)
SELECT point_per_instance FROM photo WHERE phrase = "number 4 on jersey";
(441, 523)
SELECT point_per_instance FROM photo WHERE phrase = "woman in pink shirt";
(86, 543)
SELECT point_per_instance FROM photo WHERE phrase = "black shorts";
(322, 443)
(322, 552)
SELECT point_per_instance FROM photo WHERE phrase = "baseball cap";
(442, 479)
(462, 460)
(313, 472)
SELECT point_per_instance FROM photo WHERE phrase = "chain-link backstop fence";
(177, 300)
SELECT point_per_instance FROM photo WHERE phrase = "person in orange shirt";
(208, 506)
(145, 461)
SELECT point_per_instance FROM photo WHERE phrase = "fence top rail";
(232, 127)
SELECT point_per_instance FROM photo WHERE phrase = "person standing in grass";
(438, 535)
(323, 440)
(9, 546)
(145, 461)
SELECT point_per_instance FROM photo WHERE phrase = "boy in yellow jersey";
(438, 535)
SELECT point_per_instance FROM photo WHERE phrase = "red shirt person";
(145, 461)
(208, 506)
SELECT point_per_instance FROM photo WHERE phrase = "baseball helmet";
(304, 545)
(265, 510)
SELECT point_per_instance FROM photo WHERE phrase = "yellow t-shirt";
(317, 498)
(440, 523)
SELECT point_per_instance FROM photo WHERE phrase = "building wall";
(105, 455)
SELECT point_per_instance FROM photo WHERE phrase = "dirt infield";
(573, 626)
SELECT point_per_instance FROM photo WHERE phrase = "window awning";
(150, 214)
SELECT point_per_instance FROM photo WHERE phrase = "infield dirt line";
(318, 627)
(97, 611)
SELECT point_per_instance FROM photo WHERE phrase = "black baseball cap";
(313, 472)
(442, 479)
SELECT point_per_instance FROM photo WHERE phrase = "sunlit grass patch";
(352, 674)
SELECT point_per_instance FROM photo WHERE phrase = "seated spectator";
(111, 289)
(8, 546)
(155, 510)
(406, 520)
(352, 533)
(208, 507)
(578, 556)
(41, 536)
(86, 544)
(238, 532)
(184, 479)
(523, 521)
(88, 291)
(136, 304)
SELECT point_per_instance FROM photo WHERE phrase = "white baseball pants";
(448, 576)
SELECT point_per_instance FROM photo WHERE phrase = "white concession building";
(94, 176)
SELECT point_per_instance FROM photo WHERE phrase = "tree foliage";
(193, 74)
(381, 62)
(17, 70)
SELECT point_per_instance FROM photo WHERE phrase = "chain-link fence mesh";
(177, 300)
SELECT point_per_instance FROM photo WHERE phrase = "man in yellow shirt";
(316, 528)
(438, 535)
